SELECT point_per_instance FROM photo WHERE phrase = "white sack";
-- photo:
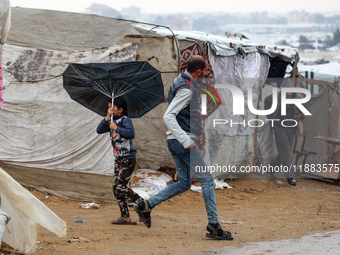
(147, 182)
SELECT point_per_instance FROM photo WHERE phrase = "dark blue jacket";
(121, 138)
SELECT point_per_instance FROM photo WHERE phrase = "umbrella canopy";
(93, 84)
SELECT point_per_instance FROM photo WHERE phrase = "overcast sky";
(184, 6)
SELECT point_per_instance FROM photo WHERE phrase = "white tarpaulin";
(4, 218)
(244, 71)
(231, 141)
(5, 20)
(5, 23)
(26, 211)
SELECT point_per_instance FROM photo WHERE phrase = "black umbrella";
(93, 84)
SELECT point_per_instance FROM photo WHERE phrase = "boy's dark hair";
(120, 103)
(195, 64)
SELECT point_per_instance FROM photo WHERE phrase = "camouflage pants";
(123, 170)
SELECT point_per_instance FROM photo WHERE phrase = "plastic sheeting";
(24, 64)
(232, 143)
(5, 20)
(226, 46)
(266, 148)
(57, 30)
(1, 88)
(4, 218)
(5, 23)
(334, 122)
(147, 182)
(243, 71)
(26, 211)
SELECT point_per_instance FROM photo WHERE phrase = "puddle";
(316, 244)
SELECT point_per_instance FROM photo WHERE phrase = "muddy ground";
(253, 210)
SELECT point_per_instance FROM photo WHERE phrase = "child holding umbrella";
(123, 133)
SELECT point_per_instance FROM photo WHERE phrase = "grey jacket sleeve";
(181, 100)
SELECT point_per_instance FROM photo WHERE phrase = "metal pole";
(113, 100)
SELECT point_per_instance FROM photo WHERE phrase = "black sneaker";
(291, 181)
(216, 232)
(143, 210)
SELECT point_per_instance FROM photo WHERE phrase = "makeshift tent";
(245, 65)
(45, 135)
